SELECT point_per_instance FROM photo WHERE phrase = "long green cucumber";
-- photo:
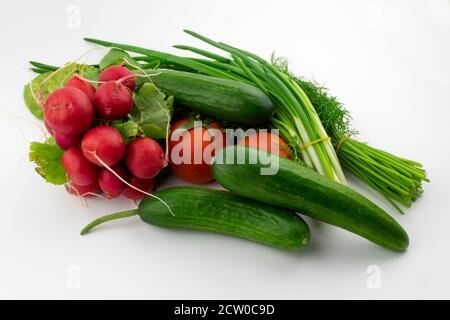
(298, 188)
(220, 99)
(222, 212)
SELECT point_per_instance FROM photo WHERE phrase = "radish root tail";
(128, 184)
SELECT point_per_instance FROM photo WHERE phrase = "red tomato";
(268, 142)
(195, 166)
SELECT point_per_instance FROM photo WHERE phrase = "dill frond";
(334, 116)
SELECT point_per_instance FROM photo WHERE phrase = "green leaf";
(53, 81)
(89, 73)
(60, 77)
(129, 129)
(30, 95)
(47, 157)
(51, 141)
(152, 111)
(117, 56)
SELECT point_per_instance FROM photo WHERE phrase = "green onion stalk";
(315, 124)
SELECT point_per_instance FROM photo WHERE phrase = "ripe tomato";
(191, 151)
(269, 142)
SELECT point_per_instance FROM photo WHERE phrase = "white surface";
(387, 60)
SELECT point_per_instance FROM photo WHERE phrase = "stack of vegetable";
(111, 122)
(298, 102)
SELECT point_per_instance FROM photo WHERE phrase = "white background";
(387, 60)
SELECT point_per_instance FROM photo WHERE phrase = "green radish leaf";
(30, 95)
(59, 78)
(47, 157)
(129, 129)
(117, 56)
(44, 84)
(51, 141)
(152, 111)
(89, 73)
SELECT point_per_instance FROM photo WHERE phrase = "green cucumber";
(298, 188)
(220, 99)
(222, 212)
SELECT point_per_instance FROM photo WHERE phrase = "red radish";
(79, 169)
(114, 73)
(64, 141)
(103, 142)
(67, 141)
(50, 130)
(113, 101)
(109, 183)
(142, 184)
(68, 111)
(77, 82)
(145, 158)
(83, 190)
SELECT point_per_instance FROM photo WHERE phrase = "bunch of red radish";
(96, 158)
